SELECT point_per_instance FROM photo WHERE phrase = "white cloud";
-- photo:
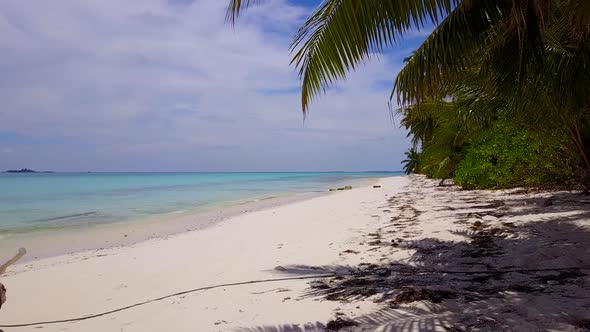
(162, 85)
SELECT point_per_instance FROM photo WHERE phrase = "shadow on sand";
(504, 276)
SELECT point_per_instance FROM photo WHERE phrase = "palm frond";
(236, 7)
(342, 34)
(505, 39)
(412, 161)
(449, 51)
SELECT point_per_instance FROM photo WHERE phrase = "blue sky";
(166, 85)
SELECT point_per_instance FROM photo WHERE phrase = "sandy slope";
(246, 247)
(413, 256)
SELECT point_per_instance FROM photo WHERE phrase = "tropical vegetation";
(498, 95)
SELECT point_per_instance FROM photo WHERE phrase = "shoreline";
(80, 238)
(248, 246)
(407, 254)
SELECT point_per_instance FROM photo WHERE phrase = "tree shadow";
(310, 327)
(505, 276)
(518, 205)
(480, 275)
(541, 268)
(413, 319)
(386, 320)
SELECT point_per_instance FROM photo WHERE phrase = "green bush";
(439, 161)
(508, 156)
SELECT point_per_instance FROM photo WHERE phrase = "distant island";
(25, 170)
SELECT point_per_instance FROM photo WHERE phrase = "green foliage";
(508, 155)
(442, 129)
(439, 161)
(412, 161)
(526, 59)
(343, 34)
(512, 40)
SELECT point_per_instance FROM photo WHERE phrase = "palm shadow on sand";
(501, 278)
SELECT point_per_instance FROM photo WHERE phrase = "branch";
(19, 255)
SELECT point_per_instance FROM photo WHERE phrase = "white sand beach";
(421, 257)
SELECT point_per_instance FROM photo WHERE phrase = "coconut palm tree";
(442, 130)
(530, 56)
(412, 161)
(510, 35)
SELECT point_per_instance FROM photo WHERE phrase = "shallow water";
(40, 201)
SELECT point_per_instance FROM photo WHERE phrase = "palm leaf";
(504, 39)
(236, 7)
(412, 161)
(342, 34)
(447, 53)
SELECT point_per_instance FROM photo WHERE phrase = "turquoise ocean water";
(38, 201)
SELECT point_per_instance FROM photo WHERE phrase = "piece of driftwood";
(4, 267)
(2, 294)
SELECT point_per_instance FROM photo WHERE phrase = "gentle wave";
(69, 216)
(29, 203)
